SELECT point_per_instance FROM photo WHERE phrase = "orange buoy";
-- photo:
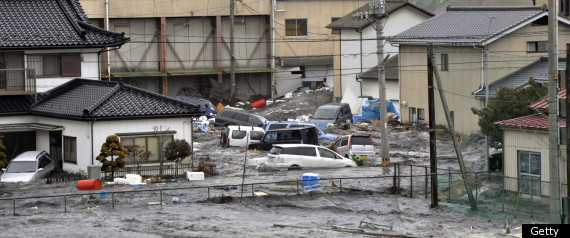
(258, 104)
(89, 184)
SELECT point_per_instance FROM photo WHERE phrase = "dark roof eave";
(426, 43)
(49, 47)
(80, 118)
(522, 128)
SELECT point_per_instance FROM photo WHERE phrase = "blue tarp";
(370, 110)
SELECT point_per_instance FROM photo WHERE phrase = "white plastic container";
(195, 175)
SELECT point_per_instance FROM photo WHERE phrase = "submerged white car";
(299, 156)
(28, 166)
(241, 136)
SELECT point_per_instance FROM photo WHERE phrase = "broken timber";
(452, 130)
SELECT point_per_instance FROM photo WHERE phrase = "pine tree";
(112, 148)
(3, 160)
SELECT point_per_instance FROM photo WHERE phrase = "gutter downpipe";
(107, 28)
(487, 103)
(92, 141)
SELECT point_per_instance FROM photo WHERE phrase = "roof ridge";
(496, 8)
(73, 23)
(156, 95)
(94, 28)
(88, 111)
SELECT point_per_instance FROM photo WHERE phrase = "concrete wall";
(515, 140)
(318, 15)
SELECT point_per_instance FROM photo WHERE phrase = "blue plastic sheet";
(370, 110)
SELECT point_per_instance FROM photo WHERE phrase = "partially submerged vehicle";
(299, 156)
(358, 144)
(292, 124)
(332, 113)
(228, 117)
(28, 166)
(295, 135)
(208, 108)
(241, 136)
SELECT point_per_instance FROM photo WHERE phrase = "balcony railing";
(17, 81)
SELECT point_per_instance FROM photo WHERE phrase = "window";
(11, 80)
(344, 142)
(241, 117)
(333, 19)
(361, 140)
(66, 65)
(239, 134)
(256, 135)
(148, 144)
(529, 172)
(289, 151)
(70, 149)
(295, 27)
(277, 126)
(413, 117)
(421, 114)
(536, 46)
(326, 153)
(307, 151)
(44, 161)
(444, 62)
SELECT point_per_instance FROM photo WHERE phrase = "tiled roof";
(538, 70)
(88, 99)
(15, 104)
(354, 21)
(391, 68)
(469, 25)
(542, 104)
(50, 24)
(538, 121)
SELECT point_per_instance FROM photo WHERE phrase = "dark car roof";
(292, 128)
(332, 106)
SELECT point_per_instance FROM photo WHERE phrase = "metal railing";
(168, 171)
(17, 81)
(496, 195)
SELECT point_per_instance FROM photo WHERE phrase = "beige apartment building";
(514, 37)
(182, 47)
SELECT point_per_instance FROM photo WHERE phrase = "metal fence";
(496, 195)
(168, 171)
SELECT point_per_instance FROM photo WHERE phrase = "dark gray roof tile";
(85, 99)
(391, 68)
(468, 25)
(537, 70)
(15, 104)
(50, 24)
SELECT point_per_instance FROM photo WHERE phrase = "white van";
(238, 135)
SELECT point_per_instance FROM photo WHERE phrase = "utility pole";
(232, 51)
(487, 103)
(553, 158)
(432, 145)
(453, 137)
(567, 131)
(378, 12)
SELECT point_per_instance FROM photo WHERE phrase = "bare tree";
(161, 134)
